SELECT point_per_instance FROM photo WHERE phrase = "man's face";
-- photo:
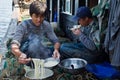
(83, 21)
(37, 19)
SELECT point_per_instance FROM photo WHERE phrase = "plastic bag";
(103, 70)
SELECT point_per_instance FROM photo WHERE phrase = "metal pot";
(73, 65)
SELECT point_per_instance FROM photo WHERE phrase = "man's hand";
(56, 54)
(23, 59)
(76, 31)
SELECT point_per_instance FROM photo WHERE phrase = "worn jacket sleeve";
(88, 43)
(20, 30)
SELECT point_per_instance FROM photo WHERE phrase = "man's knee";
(62, 47)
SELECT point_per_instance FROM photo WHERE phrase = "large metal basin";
(73, 65)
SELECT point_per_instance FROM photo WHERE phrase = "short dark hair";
(37, 7)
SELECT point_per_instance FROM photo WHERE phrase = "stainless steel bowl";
(73, 65)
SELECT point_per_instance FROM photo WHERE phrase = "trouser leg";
(76, 50)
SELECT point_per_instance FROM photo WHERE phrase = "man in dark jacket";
(87, 35)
